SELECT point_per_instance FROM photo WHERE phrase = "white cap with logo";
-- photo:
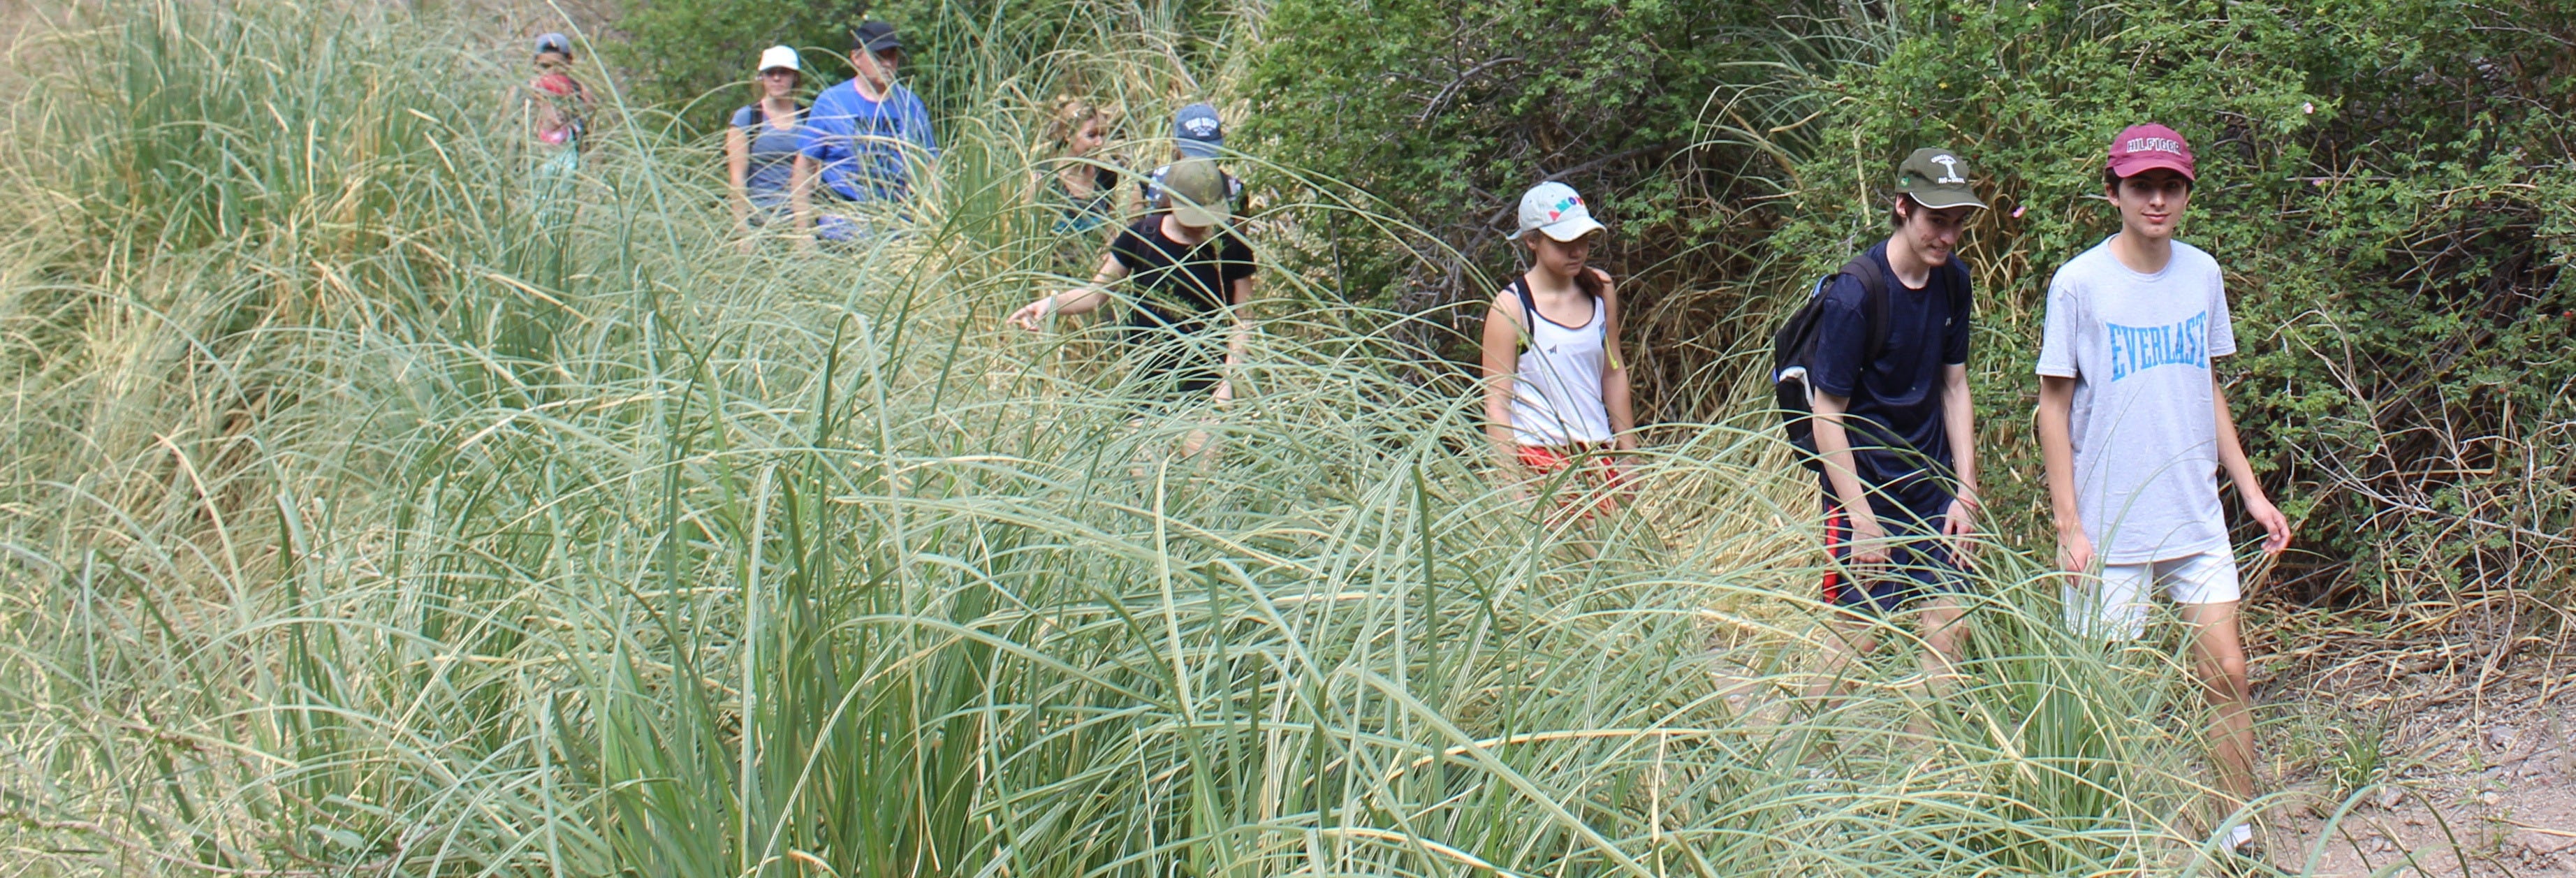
(1555, 211)
(776, 57)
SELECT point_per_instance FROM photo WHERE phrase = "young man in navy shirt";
(1893, 422)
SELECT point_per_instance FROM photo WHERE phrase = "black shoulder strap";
(1529, 311)
(760, 114)
(1873, 294)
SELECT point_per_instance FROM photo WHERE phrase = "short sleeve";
(1954, 346)
(814, 138)
(1237, 260)
(2059, 330)
(1129, 250)
(2222, 325)
(1842, 339)
(742, 117)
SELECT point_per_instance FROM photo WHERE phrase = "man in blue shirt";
(864, 135)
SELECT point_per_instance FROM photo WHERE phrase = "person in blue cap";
(865, 135)
(553, 108)
(1197, 133)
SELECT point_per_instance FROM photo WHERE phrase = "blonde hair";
(1069, 116)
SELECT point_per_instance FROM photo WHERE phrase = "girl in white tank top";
(1556, 394)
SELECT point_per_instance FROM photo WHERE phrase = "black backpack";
(1795, 343)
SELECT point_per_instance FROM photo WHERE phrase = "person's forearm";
(1623, 417)
(1959, 421)
(1241, 339)
(738, 172)
(2057, 451)
(1079, 300)
(1498, 425)
(800, 193)
(1833, 444)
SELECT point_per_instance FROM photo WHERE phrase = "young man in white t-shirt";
(2134, 427)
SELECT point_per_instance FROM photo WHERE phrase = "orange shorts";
(1599, 476)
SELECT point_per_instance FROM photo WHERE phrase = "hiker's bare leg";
(1846, 639)
(2218, 660)
(1941, 631)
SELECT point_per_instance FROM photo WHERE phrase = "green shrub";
(694, 56)
(699, 53)
(1447, 112)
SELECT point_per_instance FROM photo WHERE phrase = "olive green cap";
(1937, 178)
(1198, 192)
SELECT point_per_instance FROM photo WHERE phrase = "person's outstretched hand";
(1028, 316)
(2276, 527)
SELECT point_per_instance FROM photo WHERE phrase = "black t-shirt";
(1895, 414)
(1179, 287)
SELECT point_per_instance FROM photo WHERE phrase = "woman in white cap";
(1556, 394)
(760, 145)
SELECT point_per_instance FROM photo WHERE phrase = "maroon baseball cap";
(2142, 147)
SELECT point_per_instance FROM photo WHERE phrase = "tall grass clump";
(347, 533)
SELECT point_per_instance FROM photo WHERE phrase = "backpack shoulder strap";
(1873, 294)
(1519, 288)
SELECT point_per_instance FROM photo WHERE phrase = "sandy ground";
(2477, 773)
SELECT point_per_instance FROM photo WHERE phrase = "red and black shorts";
(1575, 472)
(1919, 561)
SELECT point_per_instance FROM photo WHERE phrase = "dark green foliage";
(695, 56)
(699, 53)
(1448, 112)
(2392, 219)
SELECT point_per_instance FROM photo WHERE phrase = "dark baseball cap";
(1937, 178)
(554, 42)
(875, 36)
(1198, 132)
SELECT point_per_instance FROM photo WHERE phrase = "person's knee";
(2225, 677)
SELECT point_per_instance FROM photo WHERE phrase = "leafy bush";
(694, 56)
(1447, 112)
(699, 53)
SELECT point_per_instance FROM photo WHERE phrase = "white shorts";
(2115, 606)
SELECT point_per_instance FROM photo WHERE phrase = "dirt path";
(2476, 763)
